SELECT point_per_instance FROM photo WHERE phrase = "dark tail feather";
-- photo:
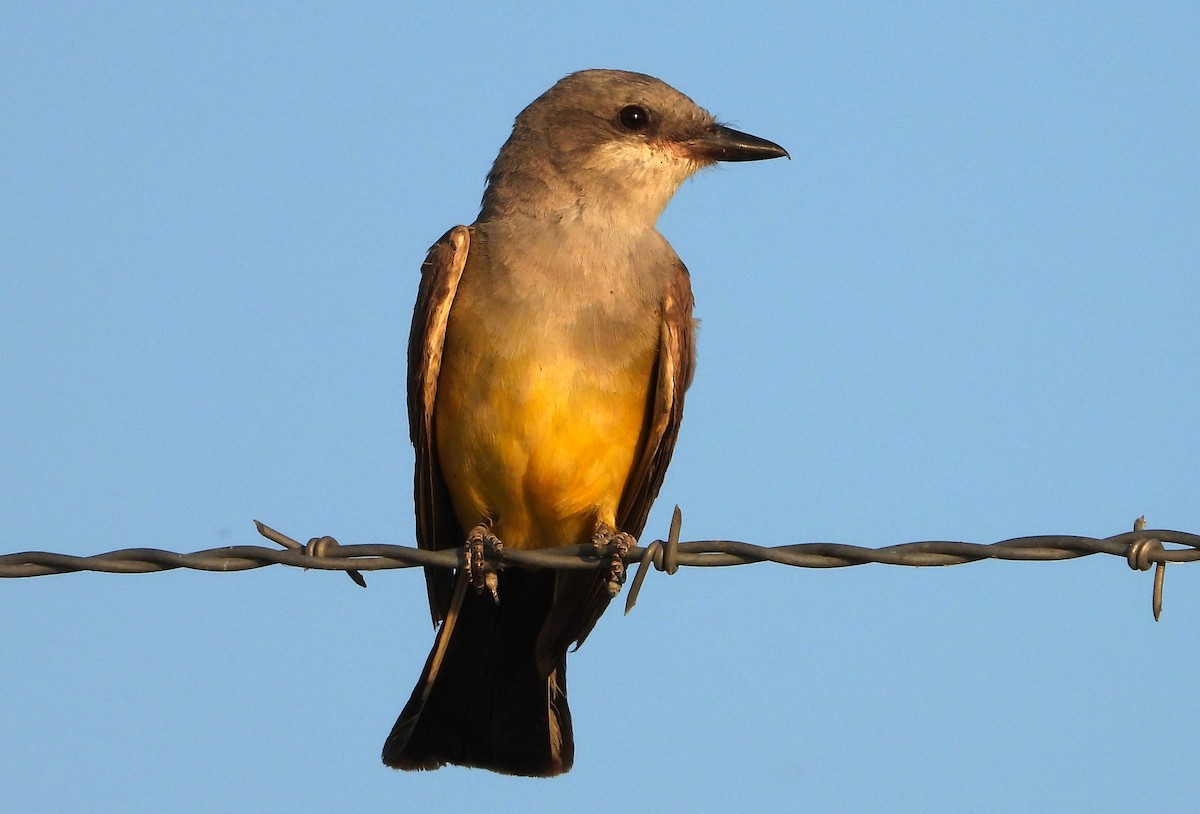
(489, 705)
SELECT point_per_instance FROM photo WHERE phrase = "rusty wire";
(1141, 548)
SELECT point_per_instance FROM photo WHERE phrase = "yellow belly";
(539, 444)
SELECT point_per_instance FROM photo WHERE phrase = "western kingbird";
(551, 346)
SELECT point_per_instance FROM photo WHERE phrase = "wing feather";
(437, 526)
(673, 375)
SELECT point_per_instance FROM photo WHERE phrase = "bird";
(551, 346)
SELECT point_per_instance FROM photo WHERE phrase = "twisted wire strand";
(325, 553)
(1141, 548)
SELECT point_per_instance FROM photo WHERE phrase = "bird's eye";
(634, 118)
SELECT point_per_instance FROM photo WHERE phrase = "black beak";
(721, 143)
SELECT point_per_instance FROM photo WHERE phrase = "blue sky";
(964, 310)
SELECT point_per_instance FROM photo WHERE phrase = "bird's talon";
(616, 545)
(475, 565)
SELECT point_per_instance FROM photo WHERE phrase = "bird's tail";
(482, 699)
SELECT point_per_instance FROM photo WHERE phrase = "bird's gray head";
(610, 146)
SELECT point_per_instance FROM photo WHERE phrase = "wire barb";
(663, 556)
(320, 547)
(1141, 555)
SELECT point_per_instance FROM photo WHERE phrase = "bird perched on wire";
(551, 346)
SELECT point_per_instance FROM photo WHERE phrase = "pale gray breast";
(593, 295)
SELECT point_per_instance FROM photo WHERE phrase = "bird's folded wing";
(437, 526)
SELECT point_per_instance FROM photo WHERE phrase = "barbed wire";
(1141, 548)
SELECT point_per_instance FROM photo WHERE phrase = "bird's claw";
(615, 545)
(475, 565)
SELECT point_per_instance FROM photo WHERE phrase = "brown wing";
(673, 376)
(437, 526)
(582, 596)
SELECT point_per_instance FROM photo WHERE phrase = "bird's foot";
(614, 544)
(475, 565)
